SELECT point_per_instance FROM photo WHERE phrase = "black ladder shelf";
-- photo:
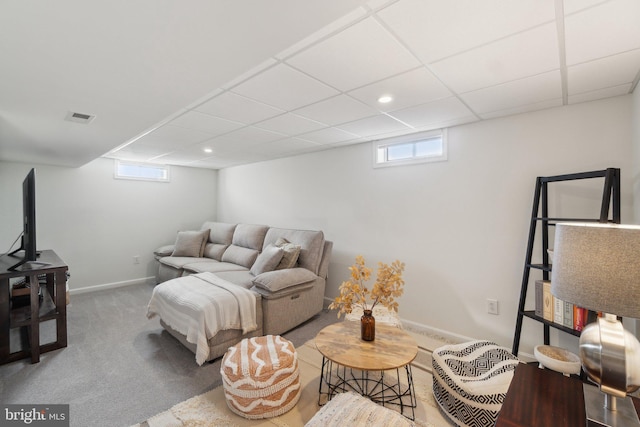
(610, 196)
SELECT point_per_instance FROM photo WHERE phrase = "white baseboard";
(113, 285)
(430, 330)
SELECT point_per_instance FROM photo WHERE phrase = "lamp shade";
(597, 266)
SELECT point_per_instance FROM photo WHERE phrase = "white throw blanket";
(200, 305)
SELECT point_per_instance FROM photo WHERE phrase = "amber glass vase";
(368, 326)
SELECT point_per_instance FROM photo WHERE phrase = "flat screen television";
(28, 240)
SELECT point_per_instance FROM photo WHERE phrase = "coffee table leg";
(322, 381)
(410, 391)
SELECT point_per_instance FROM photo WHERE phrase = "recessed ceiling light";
(208, 150)
(385, 99)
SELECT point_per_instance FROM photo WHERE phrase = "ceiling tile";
(238, 108)
(173, 136)
(530, 90)
(436, 29)
(551, 103)
(138, 152)
(328, 136)
(408, 89)
(433, 113)
(524, 54)
(216, 162)
(603, 30)
(573, 6)
(357, 56)
(251, 73)
(290, 124)
(600, 94)
(245, 137)
(334, 27)
(180, 157)
(148, 149)
(607, 72)
(288, 145)
(375, 126)
(337, 110)
(205, 123)
(285, 88)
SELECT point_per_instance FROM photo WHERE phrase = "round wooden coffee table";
(370, 368)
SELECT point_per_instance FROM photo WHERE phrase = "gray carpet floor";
(119, 368)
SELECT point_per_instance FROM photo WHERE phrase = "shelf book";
(561, 312)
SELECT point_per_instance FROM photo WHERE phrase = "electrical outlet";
(492, 306)
(136, 259)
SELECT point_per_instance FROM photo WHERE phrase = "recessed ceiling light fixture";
(385, 99)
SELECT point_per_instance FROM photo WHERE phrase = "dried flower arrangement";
(353, 292)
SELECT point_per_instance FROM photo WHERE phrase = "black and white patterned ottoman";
(470, 381)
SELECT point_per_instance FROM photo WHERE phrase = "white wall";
(635, 129)
(634, 325)
(460, 226)
(97, 224)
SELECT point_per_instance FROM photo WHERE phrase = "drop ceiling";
(214, 84)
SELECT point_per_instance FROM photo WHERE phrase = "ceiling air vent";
(79, 117)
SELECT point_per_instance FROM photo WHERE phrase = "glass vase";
(367, 326)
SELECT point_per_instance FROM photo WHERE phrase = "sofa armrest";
(294, 291)
(163, 251)
(274, 281)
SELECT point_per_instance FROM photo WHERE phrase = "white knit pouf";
(260, 376)
(470, 381)
(350, 409)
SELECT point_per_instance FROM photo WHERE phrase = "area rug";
(210, 408)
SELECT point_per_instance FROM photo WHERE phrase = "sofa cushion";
(190, 243)
(221, 233)
(180, 261)
(276, 280)
(202, 265)
(268, 260)
(290, 253)
(214, 251)
(249, 236)
(240, 255)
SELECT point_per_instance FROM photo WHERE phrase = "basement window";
(141, 171)
(411, 149)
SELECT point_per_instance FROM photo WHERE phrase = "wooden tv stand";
(53, 306)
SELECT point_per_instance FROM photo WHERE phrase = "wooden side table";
(53, 306)
(541, 397)
(365, 367)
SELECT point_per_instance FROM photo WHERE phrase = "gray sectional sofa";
(289, 286)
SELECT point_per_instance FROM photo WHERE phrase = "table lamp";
(597, 266)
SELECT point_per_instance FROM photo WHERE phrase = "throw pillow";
(190, 243)
(291, 253)
(267, 260)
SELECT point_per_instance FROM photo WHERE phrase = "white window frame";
(415, 138)
(141, 168)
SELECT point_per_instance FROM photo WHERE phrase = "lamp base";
(598, 415)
